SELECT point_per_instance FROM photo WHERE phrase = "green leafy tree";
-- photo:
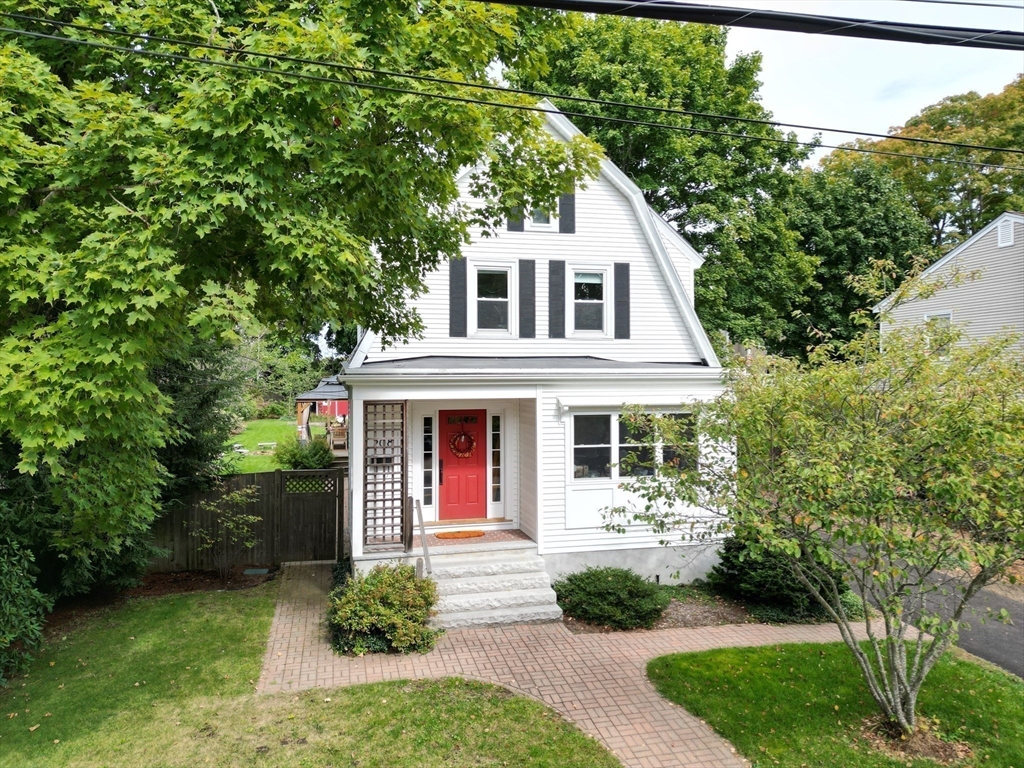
(851, 213)
(958, 200)
(726, 194)
(274, 366)
(894, 471)
(202, 387)
(143, 197)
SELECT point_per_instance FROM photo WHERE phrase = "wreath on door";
(462, 444)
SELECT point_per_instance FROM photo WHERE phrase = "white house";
(990, 304)
(504, 416)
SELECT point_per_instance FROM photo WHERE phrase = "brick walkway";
(599, 682)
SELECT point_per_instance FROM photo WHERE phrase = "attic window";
(1005, 233)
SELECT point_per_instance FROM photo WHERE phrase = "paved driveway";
(599, 682)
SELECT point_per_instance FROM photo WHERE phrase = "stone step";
(492, 601)
(464, 568)
(502, 582)
(523, 614)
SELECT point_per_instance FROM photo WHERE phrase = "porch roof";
(327, 389)
(442, 365)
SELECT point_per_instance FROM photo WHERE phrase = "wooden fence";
(302, 517)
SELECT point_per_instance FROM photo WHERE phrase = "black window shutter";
(567, 214)
(527, 299)
(622, 301)
(515, 221)
(556, 299)
(457, 297)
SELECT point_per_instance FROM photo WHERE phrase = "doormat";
(459, 534)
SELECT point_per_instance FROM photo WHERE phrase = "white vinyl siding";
(528, 468)
(985, 307)
(571, 511)
(607, 232)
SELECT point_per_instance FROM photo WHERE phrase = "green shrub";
(384, 611)
(314, 454)
(767, 584)
(22, 608)
(611, 597)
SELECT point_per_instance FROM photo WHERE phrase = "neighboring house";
(505, 414)
(988, 305)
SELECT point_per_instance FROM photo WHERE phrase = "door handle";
(440, 471)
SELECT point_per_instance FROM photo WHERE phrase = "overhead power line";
(1018, 7)
(787, 21)
(136, 51)
(487, 87)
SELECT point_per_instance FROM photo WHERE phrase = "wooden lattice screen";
(384, 479)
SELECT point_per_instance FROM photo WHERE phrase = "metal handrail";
(423, 538)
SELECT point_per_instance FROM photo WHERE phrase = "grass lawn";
(170, 681)
(261, 431)
(803, 705)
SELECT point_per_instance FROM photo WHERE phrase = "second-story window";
(492, 299)
(588, 301)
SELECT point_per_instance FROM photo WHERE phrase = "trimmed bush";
(22, 609)
(385, 611)
(767, 583)
(314, 454)
(611, 597)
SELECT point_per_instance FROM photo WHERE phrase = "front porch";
(464, 463)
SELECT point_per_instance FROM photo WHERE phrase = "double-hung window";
(493, 285)
(588, 300)
(592, 446)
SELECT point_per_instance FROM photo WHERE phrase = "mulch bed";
(924, 743)
(71, 610)
(680, 613)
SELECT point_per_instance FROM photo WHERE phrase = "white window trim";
(509, 266)
(571, 268)
(616, 477)
(947, 313)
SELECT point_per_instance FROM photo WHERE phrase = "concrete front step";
(524, 614)
(493, 601)
(496, 583)
(471, 567)
(482, 588)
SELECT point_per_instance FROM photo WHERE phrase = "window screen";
(592, 446)
(588, 301)
(492, 299)
(636, 457)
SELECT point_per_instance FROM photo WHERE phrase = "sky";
(871, 85)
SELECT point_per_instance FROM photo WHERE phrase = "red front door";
(463, 471)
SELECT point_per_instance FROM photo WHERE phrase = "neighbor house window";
(588, 301)
(592, 446)
(540, 217)
(492, 303)
(428, 460)
(939, 326)
(495, 457)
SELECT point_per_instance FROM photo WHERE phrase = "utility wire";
(787, 21)
(466, 100)
(500, 89)
(1019, 7)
